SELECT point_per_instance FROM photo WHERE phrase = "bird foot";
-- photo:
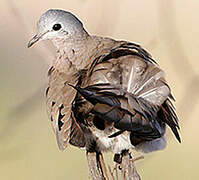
(118, 157)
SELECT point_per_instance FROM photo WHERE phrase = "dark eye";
(57, 27)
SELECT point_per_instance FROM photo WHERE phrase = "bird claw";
(118, 158)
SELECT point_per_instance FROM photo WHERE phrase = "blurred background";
(168, 29)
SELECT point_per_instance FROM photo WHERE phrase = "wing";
(76, 135)
(59, 103)
(128, 88)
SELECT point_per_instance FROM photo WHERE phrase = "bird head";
(57, 24)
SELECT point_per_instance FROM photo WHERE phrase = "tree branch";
(129, 171)
(96, 166)
(98, 171)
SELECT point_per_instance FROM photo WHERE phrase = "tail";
(167, 114)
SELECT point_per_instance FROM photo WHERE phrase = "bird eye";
(57, 27)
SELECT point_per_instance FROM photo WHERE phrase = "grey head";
(56, 23)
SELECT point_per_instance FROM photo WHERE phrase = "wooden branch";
(128, 169)
(97, 168)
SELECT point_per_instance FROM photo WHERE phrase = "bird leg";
(118, 157)
(126, 165)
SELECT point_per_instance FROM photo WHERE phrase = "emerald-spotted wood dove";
(103, 94)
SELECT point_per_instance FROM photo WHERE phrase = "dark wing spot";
(60, 124)
(50, 70)
(47, 89)
(53, 103)
(60, 117)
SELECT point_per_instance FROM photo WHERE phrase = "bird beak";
(35, 39)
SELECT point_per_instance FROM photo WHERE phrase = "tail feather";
(168, 115)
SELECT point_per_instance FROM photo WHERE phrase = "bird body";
(104, 94)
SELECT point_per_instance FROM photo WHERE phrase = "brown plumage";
(104, 94)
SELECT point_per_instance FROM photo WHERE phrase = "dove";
(104, 94)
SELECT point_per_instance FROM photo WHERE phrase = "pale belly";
(122, 142)
(115, 144)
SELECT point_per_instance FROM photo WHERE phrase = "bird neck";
(74, 53)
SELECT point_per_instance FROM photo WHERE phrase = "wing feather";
(129, 80)
(59, 99)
